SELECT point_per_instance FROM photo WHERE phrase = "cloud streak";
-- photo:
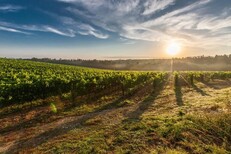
(10, 8)
(56, 31)
(71, 31)
(82, 28)
(152, 20)
(12, 30)
(153, 6)
(27, 29)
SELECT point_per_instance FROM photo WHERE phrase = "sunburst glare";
(173, 48)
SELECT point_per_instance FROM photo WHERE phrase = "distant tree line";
(199, 63)
(224, 59)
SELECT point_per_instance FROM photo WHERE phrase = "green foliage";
(125, 103)
(53, 108)
(22, 81)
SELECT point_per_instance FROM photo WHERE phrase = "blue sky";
(113, 28)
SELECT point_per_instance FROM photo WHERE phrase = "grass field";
(170, 119)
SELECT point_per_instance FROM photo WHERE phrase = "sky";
(113, 29)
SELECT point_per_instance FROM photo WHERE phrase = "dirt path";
(146, 102)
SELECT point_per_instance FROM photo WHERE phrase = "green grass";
(189, 134)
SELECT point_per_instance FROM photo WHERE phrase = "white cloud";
(214, 23)
(81, 28)
(187, 24)
(42, 28)
(131, 19)
(125, 17)
(45, 28)
(89, 30)
(175, 16)
(71, 28)
(152, 6)
(89, 3)
(10, 8)
(12, 30)
(98, 35)
(141, 33)
(56, 31)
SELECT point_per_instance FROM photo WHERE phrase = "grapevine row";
(25, 81)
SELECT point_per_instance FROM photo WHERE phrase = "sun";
(173, 48)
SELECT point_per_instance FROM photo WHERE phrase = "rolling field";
(51, 108)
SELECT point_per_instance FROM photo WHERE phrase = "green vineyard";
(22, 81)
(25, 81)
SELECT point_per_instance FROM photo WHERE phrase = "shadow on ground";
(199, 90)
(29, 123)
(217, 84)
(66, 127)
(145, 104)
(178, 95)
